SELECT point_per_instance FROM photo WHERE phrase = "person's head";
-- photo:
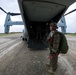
(53, 26)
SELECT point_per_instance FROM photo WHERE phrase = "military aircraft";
(37, 14)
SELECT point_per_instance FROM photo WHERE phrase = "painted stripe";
(9, 49)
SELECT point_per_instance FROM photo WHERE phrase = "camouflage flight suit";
(54, 44)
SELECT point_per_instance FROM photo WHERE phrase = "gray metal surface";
(43, 10)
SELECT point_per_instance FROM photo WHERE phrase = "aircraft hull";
(37, 14)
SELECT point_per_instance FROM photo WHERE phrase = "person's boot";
(48, 66)
(51, 71)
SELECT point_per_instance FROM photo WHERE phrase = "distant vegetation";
(3, 34)
(73, 34)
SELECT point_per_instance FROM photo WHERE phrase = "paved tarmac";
(17, 59)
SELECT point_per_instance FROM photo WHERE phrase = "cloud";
(71, 7)
(71, 19)
(16, 28)
(10, 6)
(1, 29)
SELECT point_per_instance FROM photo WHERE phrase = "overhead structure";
(40, 12)
(62, 24)
(37, 16)
(8, 21)
(36, 12)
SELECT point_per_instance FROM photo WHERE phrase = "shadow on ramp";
(35, 44)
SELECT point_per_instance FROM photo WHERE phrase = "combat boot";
(48, 66)
(51, 71)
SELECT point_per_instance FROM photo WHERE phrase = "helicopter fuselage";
(37, 14)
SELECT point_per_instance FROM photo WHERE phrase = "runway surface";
(17, 59)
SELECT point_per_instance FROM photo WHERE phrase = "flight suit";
(53, 40)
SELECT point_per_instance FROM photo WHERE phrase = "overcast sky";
(12, 6)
